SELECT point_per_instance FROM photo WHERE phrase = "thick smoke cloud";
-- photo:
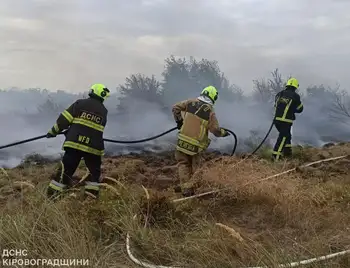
(28, 113)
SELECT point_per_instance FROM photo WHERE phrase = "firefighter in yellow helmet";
(85, 120)
(287, 103)
(199, 117)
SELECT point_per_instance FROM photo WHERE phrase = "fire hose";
(262, 142)
(119, 141)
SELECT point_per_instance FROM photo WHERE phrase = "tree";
(209, 73)
(139, 87)
(50, 108)
(332, 101)
(184, 79)
(318, 93)
(340, 106)
(266, 90)
(262, 92)
(276, 84)
(179, 80)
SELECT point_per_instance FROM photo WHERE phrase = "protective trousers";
(62, 180)
(283, 145)
(187, 165)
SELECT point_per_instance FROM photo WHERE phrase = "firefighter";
(287, 103)
(85, 120)
(199, 117)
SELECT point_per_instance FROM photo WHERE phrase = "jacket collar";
(94, 97)
(206, 100)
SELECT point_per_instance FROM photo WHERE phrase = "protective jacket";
(198, 118)
(287, 103)
(85, 120)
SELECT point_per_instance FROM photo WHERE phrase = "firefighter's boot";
(56, 190)
(92, 189)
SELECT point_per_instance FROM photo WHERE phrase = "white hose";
(298, 263)
(264, 179)
(143, 264)
(292, 264)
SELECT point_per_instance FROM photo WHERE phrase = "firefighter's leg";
(280, 143)
(196, 162)
(61, 180)
(184, 168)
(287, 152)
(189, 187)
(92, 182)
(284, 139)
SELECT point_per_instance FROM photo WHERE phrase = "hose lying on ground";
(258, 147)
(122, 142)
(292, 264)
(260, 180)
(267, 134)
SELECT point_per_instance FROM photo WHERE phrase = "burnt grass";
(299, 215)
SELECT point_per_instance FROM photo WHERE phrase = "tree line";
(185, 77)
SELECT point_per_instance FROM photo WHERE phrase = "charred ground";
(295, 216)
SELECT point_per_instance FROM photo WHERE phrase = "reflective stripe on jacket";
(85, 120)
(198, 118)
(287, 103)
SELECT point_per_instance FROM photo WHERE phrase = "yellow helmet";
(293, 82)
(100, 91)
(211, 92)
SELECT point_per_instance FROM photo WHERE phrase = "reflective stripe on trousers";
(283, 142)
(92, 186)
(57, 186)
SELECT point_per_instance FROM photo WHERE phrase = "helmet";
(210, 92)
(293, 82)
(100, 91)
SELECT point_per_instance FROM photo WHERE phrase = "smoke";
(142, 120)
(29, 113)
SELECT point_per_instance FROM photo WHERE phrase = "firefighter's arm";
(64, 120)
(299, 105)
(276, 98)
(177, 109)
(213, 127)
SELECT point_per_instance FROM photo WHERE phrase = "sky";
(71, 44)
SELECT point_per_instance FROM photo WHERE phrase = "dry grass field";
(252, 222)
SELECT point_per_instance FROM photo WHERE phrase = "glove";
(224, 133)
(50, 135)
(179, 124)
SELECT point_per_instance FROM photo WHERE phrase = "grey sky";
(70, 44)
